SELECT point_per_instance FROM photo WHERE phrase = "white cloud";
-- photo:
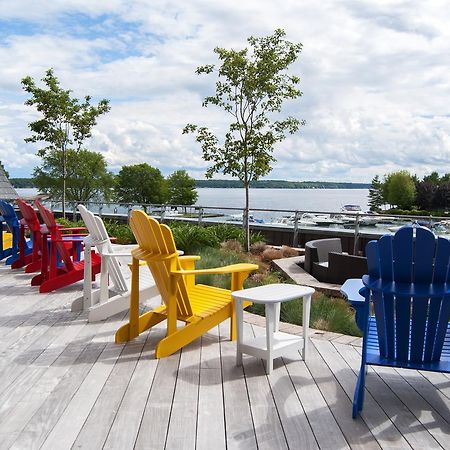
(374, 76)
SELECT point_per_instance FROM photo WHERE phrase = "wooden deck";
(65, 384)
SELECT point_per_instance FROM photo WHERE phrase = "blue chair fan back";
(408, 284)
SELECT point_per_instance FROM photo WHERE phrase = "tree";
(86, 176)
(140, 183)
(426, 194)
(4, 170)
(376, 198)
(433, 178)
(181, 188)
(252, 85)
(400, 189)
(64, 121)
(442, 197)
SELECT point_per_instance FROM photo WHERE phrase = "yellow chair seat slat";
(201, 307)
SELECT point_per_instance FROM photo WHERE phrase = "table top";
(273, 293)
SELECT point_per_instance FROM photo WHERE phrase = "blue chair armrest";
(351, 291)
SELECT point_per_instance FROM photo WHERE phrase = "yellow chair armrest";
(188, 263)
(189, 258)
(141, 263)
(242, 267)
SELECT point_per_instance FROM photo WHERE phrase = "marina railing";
(359, 223)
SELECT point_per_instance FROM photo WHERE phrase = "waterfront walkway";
(65, 384)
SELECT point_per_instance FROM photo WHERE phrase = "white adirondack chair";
(113, 296)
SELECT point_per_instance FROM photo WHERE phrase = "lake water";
(329, 200)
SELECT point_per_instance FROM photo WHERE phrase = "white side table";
(274, 343)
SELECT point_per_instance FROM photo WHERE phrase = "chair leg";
(128, 332)
(358, 398)
(191, 331)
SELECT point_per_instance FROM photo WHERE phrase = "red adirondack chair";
(62, 269)
(39, 235)
(37, 231)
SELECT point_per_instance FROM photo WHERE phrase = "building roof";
(7, 192)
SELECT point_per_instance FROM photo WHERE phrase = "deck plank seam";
(129, 343)
(405, 380)
(82, 354)
(374, 397)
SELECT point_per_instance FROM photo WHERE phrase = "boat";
(351, 208)
(323, 220)
(239, 218)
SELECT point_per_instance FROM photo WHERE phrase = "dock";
(65, 384)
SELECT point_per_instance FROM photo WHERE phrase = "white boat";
(324, 220)
(239, 218)
(351, 208)
(304, 221)
(369, 220)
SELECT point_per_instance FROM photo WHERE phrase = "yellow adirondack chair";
(201, 307)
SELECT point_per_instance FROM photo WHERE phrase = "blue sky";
(374, 76)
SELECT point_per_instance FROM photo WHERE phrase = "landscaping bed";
(220, 245)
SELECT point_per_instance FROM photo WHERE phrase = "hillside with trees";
(405, 193)
(281, 184)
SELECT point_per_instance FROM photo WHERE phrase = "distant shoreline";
(27, 183)
(280, 184)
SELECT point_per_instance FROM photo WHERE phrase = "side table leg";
(240, 331)
(306, 313)
(277, 317)
(270, 324)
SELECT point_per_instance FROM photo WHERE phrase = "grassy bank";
(221, 245)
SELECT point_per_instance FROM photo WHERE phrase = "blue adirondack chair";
(409, 287)
(21, 248)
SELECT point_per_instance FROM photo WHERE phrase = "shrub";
(66, 223)
(191, 238)
(233, 245)
(225, 232)
(120, 231)
(257, 248)
(213, 257)
(288, 252)
(270, 253)
(329, 314)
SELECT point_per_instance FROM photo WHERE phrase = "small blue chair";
(21, 248)
(408, 286)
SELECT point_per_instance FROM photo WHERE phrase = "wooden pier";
(65, 384)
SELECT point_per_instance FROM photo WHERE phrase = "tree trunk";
(245, 219)
(64, 185)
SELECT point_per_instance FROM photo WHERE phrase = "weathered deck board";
(373, 415)
(65, 384)
(268, 428)
(210, 419)
(125, 428)
(183, 418)
(94, 430)
(355, 432)
(240, 432)
(410, 428)
(155, 422)
(295, 424)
